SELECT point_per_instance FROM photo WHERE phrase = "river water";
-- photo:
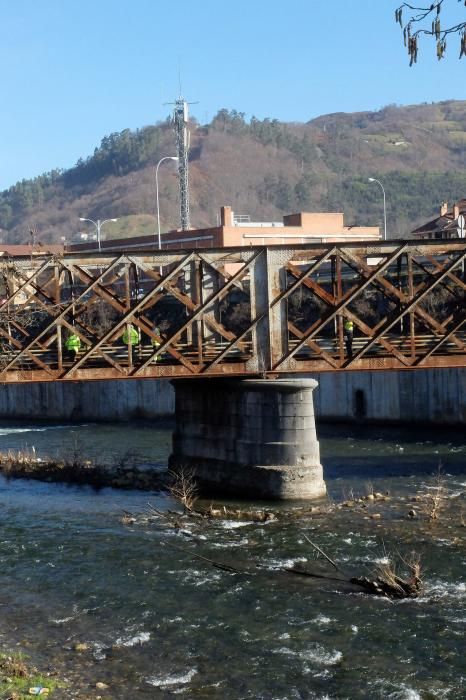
(159, 622)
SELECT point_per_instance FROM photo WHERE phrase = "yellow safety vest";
(134, 335)
(349, 326)
(73, 342)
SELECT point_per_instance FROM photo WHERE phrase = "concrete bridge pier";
(252, 438)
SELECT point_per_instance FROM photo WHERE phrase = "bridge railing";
(251, 311)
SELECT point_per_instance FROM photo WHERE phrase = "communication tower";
(180, 122)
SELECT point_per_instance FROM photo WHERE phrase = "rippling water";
(160, 622)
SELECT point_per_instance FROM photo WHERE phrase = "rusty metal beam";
(342, 305)
(411, 325)
(408, 307)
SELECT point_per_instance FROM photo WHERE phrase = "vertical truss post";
(190, 289)
(334, 290)
(57, 286)
(57, 295)
(412, 330)
(196, 297)
(129, 346)
(210, 286)
(399, 284)
(59, 347)
(127, 289)
(270, 336)
(339, 296)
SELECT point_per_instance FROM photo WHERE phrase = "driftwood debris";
(400, 588)
(320, 551)
(389, 583)
(217, 564)
(385, 581)
(395, 578)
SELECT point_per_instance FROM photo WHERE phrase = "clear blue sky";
(73, 71)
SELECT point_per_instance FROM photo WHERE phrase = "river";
(159, 622)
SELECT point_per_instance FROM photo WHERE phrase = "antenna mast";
(180, 121)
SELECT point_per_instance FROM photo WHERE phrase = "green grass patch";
(18, 677)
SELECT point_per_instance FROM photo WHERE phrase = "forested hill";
(263, 168)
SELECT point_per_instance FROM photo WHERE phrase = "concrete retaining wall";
(423, 396)
(418, 396)
(96, 400)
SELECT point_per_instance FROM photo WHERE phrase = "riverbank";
(19, 679)
(127, 474)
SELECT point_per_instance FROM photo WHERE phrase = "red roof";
(444, 222)
(38, 249)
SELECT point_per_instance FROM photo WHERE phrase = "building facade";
(447, 225)
(239, 231)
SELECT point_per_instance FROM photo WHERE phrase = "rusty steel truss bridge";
(245, 312)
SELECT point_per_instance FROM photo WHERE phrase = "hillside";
(261, 168)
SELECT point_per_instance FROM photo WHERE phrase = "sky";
(73, 71)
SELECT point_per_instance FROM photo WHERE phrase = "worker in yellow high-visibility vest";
(73, 345)
(131, 335)
(349, 329)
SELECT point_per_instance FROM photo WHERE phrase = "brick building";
(234, 231)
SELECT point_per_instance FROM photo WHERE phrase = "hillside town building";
(235, 231)
(13, 249)
(447, 225)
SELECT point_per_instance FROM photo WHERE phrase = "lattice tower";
(180, 121)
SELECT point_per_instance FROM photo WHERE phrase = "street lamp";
(98, 224)
(373, 179)
(157, 192)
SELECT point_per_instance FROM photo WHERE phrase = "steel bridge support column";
(250, 438)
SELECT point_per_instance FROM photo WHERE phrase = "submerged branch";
(217, 564)
(318, 549)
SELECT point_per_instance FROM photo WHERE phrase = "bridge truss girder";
(255, 311)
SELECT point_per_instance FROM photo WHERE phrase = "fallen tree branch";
(217, 564)
(312, 574)
(322, 552)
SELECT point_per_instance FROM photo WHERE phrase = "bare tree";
(183, 487)
(428, 21)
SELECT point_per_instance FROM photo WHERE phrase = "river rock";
(80, 646)
(101, 686)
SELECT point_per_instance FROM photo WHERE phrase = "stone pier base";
(249, 438)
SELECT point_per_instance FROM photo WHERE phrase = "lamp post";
(98, 224)
(373, 179)
(157, 194)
